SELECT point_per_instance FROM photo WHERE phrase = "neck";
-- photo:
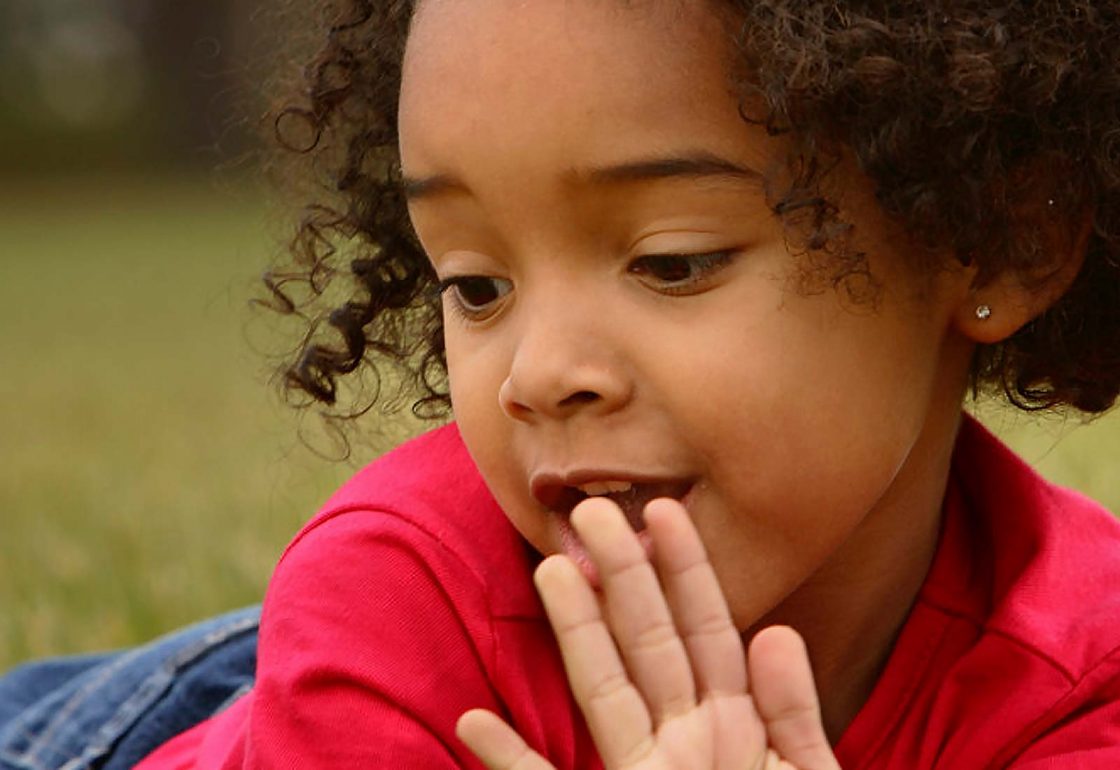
(851, 611)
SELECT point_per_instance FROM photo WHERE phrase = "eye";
(679, 273)
(475, 296)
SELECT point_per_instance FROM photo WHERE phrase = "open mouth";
(629, 495)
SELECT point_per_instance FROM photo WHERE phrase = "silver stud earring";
(983, 312)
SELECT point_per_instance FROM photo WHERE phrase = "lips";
(631, 493)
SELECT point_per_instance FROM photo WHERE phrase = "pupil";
(670, 269)
(477, 291)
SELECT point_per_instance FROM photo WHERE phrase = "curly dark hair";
(965, 114)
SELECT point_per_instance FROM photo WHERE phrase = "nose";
(562, 368)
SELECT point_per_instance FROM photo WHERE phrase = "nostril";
(537, 387)
(581, 397)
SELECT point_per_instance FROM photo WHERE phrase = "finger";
(740, 737)
(699, 609)
(781, 681)
(614, 710)
(636, 610)
(496, 744)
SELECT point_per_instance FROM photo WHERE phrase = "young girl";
(709, 282)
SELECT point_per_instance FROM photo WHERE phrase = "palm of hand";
(719, 732)
(656, 665)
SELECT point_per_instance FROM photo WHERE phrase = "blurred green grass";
(148, 475)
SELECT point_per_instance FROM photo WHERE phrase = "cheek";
(808, 414)
(476, 374)
(474, 381)
(488, 435)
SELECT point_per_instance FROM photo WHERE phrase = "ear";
(1001, 305)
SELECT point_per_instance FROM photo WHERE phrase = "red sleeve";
(374, 639)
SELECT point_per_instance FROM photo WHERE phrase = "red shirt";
(408, 600)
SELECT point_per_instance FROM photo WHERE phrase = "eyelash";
(700, 268)
(464, 309)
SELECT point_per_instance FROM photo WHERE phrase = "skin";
(675, 693)
(816, 435)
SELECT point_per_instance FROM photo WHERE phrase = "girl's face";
(622, 310)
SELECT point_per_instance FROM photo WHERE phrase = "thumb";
(781, 683)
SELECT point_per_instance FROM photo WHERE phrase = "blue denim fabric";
(109, 711)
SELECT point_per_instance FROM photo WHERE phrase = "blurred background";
(149, 475)
(125, 85)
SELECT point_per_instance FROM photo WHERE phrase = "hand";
(656, 665)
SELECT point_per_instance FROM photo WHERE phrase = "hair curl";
(965, 114)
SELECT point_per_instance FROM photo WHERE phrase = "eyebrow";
(418, 188)
(693, 165)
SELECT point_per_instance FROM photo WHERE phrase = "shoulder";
(1011, 654)
(412, 553)
(1052, 557)
(1037, 579)
(424, 502)
(384, 617)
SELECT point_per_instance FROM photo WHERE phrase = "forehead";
(494, 71)
(521, 27)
